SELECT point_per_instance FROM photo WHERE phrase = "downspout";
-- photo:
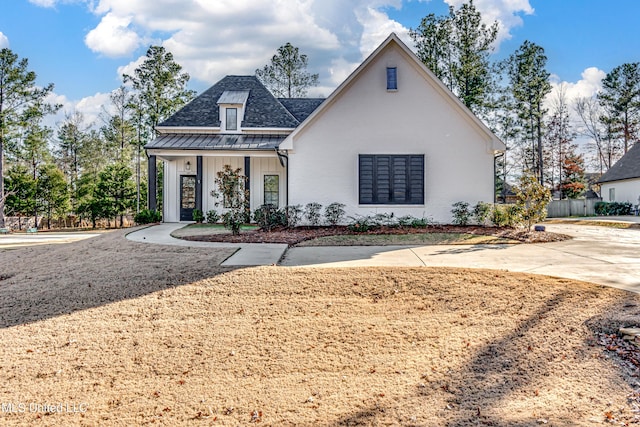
(284, 162)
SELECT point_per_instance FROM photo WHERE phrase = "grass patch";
(405, 239)
(160, 335)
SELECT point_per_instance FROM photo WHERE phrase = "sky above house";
(84, 46)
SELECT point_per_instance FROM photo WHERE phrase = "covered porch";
(191, 162)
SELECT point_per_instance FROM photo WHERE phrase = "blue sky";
(83, 46)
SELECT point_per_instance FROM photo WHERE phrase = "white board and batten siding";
(621, 191)
(416, 119)
(259, 167)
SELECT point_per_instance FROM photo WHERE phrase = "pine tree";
(287, 76)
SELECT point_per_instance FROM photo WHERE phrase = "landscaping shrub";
(384, 219)
(405, 221)
(461, 213)
(532, 200)
(312, 213)
(197, 215)
(360, 224)
(213, 216)
(421, 222)
(231, 193)
(613, 208)
(147, 216)
(334, 213)
(481, 212)
(268, 217)
(294, 215)
(505, 216)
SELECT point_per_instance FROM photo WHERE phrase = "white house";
(621, 183)
(390, 138)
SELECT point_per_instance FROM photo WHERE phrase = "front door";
(187, 197)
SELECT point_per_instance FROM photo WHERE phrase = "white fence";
(573, 207)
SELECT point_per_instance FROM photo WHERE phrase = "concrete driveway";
(603, 255)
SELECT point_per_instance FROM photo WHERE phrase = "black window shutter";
(391, 179)
(366, 179)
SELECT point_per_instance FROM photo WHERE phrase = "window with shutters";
(391, 179)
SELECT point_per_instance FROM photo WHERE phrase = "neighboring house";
(390, 138)
(621, 183)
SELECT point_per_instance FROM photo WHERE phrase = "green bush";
(147, 216)
(212, 216)
(613, 208)
(312, 213)
(294, 215)
(197, 216)
(420, 222)
(360, 224)
(506, 216)
(481, 212)
(334, 213)
(461, 213)
(268, 217)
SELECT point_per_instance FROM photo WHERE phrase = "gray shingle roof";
(216, 142)
(301, 108)
(627, 167)
(262, 110)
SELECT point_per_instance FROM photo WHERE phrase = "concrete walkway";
(248, 253)
(603, 255)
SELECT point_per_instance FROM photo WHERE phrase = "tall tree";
(52, 196)
(529, 85)
(19, 98)
(620, 97)
(457, 49)
(114, 191)
(72, 137)
(287, 76)
(600, 128)
(160, 89)
(572, 185)
(559, 138)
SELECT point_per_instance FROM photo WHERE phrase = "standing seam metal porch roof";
(217, 141)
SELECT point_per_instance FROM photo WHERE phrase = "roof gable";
(628, 167)
(393, 40)
(262, 109)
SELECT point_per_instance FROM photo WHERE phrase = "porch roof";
(198, 141)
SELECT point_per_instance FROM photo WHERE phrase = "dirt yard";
(110, 332)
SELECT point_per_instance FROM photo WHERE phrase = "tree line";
(512, 97)
(81, 172)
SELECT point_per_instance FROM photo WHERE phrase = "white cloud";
(587, 86)
(4, 41)
(43, 3)
(376, 28)
(506, 12)
(113, 37)
(92, 108)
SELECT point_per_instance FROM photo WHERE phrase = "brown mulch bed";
(300, 234)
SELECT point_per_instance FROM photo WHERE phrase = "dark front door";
(187, 197)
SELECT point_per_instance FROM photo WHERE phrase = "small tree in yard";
(231, 189)
(532, 200)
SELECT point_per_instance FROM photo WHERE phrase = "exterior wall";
(171, 193)
(259, 167)
(418, 118)
(625, 191)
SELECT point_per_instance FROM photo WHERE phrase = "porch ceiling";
(174, 141)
